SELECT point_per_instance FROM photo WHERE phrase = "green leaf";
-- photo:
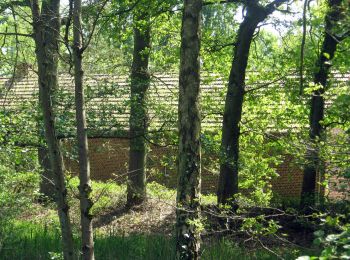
(304, 257)
(327, 55)
(332, 238)
(319, 233)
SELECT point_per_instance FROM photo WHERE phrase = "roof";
(107, 100)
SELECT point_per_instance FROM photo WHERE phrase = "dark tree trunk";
(83, 149)
(46, 28)
(313, 162)
(140, 81)
(189, 167)
(47, 187)
(229, 166)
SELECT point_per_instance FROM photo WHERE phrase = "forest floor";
(147, 231)
(155, 216)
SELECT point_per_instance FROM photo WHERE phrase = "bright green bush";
(18, 170)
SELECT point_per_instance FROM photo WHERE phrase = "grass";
(34, 241)
(109, 193)
(36, 235)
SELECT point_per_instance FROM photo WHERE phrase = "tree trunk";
(140, 81)
(47, 187)
(87, 241)
(46, 28)
(313, 161)
(229, 166)
(189, 167)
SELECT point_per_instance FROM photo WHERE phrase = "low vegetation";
(147, 232)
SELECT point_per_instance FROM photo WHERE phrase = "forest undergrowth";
(146, 232)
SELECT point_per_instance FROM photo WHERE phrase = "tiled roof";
(108, 101)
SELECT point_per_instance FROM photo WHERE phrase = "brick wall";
(290, 179)
(109, 157)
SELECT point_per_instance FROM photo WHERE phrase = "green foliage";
(156, 190)
(105, 195)
(18, 190)
(15, 51)
(334, 246)
(274, 123)
(259, 226)
(18, 170)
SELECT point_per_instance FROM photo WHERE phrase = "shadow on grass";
(108, 217)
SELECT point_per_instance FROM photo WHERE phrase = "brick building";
(107, 108)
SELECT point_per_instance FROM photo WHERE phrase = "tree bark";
(140, 82)
(87, 241)
(313, 161)
(189, 167)
(47, 187)
(46, 28)
(229, 166)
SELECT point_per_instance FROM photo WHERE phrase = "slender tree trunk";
(46, 28)
(189, 168)
(83, 149)
(229, 167)
(302, 49)
(313, 162)
(140, 81)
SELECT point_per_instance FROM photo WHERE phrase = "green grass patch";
(34, 241)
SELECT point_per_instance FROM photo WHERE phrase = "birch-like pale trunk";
(83, 149)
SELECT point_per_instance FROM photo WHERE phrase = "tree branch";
(271, 7)
(94, 26)
(302, 50)
(17, 34)
(6, 5)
